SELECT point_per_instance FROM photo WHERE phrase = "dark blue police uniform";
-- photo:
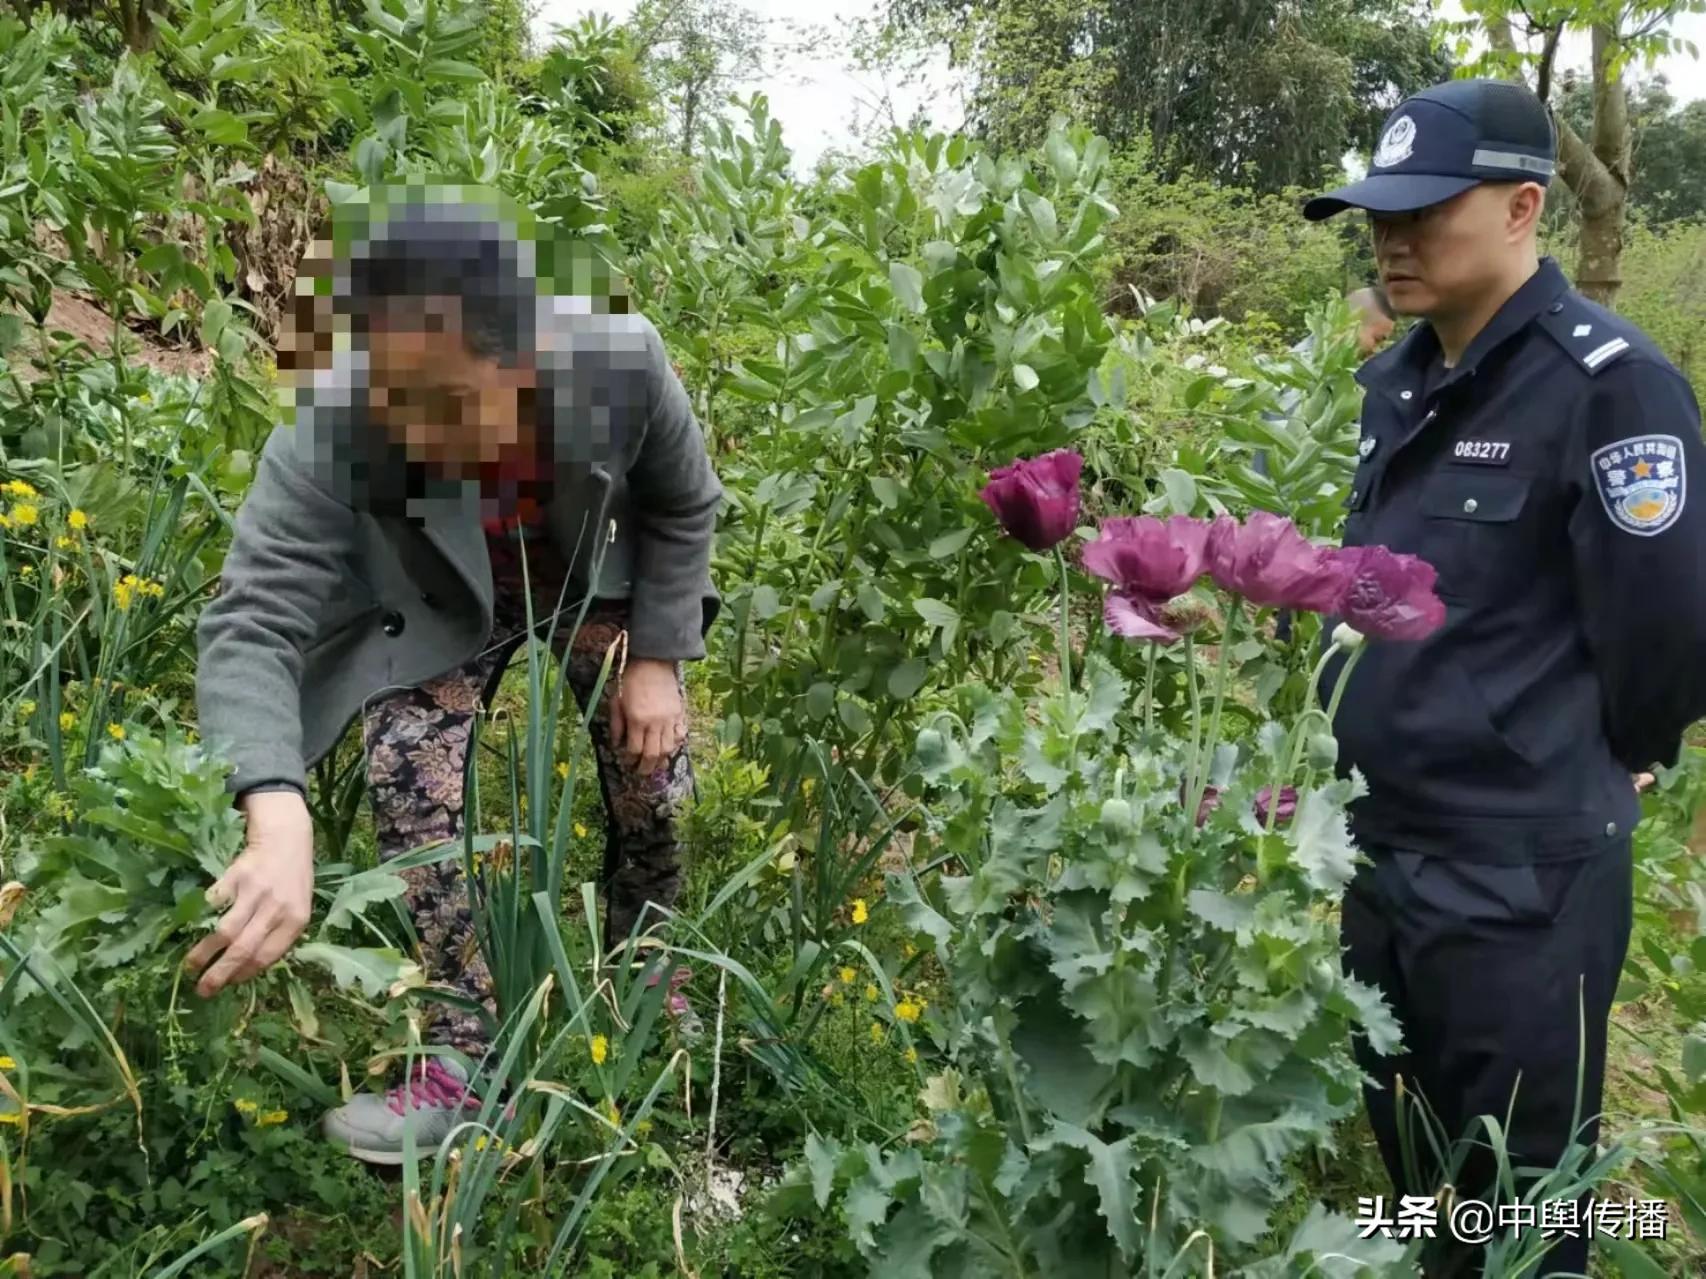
(1545, 477)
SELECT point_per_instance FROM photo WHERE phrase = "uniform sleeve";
(1638, 539)
(676, 497)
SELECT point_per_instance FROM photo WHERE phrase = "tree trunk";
(1603, 188)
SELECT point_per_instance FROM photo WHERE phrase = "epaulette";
(1590, 335)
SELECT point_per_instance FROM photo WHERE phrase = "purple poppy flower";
(1210, 801)
(1268, 562)
(1147, 557)
(1287, 804)
(1036, 499)
(1135, 617)
(1388, 596)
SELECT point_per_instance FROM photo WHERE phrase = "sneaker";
(371, 1127)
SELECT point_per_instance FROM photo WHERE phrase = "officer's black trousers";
(1491, 971)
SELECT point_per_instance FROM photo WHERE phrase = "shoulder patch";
(1591, 336)
(1642, 482)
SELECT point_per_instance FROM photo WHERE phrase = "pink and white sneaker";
(432, 1103)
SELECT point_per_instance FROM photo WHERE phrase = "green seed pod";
(1117, 817)
(932, 747)
(1323, 751)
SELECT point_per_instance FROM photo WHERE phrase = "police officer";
(1537, 451)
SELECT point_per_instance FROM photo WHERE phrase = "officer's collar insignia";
(1396, 146)
(1642, 482)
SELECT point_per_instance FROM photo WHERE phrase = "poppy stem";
(1065, 621)
(1203, 758)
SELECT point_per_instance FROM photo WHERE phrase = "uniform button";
(1469, 506)
(1355, 493)
(1555, 308)
(1405, 395)
(1610, 829)
(392, 624)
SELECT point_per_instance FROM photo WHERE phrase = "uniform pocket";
(1469, 534)
(1474, 892)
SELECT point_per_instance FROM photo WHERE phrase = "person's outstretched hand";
(647, 718)
(1642, 781)
(267, 894)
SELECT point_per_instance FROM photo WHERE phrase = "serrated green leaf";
(822, 1156)
(1321, 843)
(1369, 1006)
(373, 971)
(866, 1207)
(1110, 1172)
(363, 889)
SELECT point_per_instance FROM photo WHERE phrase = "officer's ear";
(1526, 204)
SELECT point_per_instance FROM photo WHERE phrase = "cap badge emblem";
(1396, 146)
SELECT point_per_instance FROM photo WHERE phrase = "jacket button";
(1404, 395)
(1355, 493)
(1469, 506)
(1556, 307)
(392, 624)
(1610, 829)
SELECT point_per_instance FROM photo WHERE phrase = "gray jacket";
(347, 577)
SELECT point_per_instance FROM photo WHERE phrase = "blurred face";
(1443, 259)
(449, 408)
(1376, 328)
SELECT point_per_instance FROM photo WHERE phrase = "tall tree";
(1667, 146)
(696, 51)
(1597, 165)
(1261, 92)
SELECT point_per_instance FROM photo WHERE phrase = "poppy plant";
(1036, 499)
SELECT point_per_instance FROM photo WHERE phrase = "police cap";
(1446, 139)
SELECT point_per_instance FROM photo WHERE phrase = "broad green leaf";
(1329, 1245)
(1253, 1157)
(870, 601)
(1110, 1172)
(886, 491)
(908, 286)
(909, 1242)
(854, 715)
(866, 1207)
(950, 543)
(766, 603)
(907, 678)
(1181, 490)
(1025, 377)
(920, 915)
(370, 970)
(820, 699)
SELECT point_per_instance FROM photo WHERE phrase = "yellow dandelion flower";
(28, 570)
(643, 1129)
(121, 594)
(26, 709)
(67, 721)
(78, 519)
(847, 975)
(11, 1116)
(563, 770)
(872, 994)
(24, 514)
(908, 950)
(860, 912)
(911, 1055)
(5, 521)
(600, 1050)
(271, 1118)
(65, 543)
(245, 1106)
(145, 398)
(156, 589)
(580, 830)
(908, 1011)
(17, 488)
(6, 1063)
(876, 1032)
(116, 732)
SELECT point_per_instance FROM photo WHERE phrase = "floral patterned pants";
(417, 747)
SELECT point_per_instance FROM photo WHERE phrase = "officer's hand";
(1642, 781)
(267, 892)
